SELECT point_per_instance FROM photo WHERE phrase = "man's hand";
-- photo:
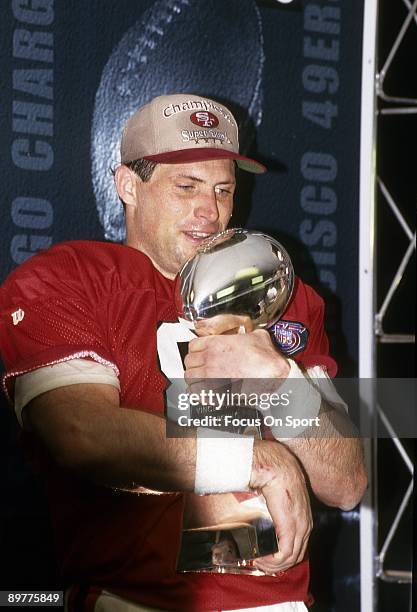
(220, 352)
(277, 474)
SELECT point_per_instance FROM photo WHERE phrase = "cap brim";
(185, 156)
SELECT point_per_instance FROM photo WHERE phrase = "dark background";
(396, 166)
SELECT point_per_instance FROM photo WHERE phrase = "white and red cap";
(182, 128)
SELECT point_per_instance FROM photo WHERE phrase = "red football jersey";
(104, 302)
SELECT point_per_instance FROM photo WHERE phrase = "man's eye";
(186, 187)
(221, 191)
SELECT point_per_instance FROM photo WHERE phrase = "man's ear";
(126, 182)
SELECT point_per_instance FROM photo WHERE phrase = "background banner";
(72, 72)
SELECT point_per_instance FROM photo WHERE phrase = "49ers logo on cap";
(205, 119)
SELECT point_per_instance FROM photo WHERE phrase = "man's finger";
(303, 550)
(223, 324)
(194, 360)
(195, 384)
(195, 376)
(197, 344)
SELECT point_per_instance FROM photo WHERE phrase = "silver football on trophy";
(237, 272)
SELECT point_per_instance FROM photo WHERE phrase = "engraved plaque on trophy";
(245, 273)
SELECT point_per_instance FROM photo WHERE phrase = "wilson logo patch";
(17, 316)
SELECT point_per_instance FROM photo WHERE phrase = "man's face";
(179, 207)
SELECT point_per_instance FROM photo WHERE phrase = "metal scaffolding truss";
(410, 16)
(374, 192)
(394, 575)
(392, 104)
(402, 268)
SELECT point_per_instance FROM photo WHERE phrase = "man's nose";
(206, 207)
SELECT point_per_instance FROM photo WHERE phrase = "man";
(82, 368)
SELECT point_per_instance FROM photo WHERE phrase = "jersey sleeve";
(317, 353)
(50, 312)
(307, 309)
(72, 372)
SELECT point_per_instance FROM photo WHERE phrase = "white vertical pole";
(367, 366)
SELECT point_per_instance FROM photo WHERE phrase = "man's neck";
(168, 275)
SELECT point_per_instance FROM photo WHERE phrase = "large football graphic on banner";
(212, 48)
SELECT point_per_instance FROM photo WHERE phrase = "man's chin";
(188, 250)
(177, 263)
(187, 253)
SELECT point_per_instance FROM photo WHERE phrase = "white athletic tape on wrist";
(304, 403)
(223, 462)
(328, 391)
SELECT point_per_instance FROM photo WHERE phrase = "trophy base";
(227, 548)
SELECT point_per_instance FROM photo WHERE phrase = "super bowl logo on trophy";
(245, 273)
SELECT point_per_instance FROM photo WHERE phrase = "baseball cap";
(182, 128)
